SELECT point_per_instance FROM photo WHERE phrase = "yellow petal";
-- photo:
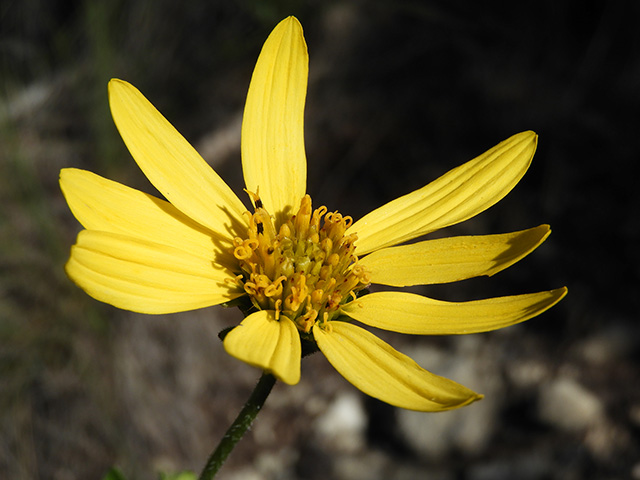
(273, 156)
(172, 164)
(451, 259)
(101, 204)
(145, 277)
(270, 344)
(414, 314)
(456, 196)
(378, 370)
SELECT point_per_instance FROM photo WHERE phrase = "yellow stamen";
(304, 268)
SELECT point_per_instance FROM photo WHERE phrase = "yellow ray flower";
(298, 269)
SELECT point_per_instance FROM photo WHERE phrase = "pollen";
(304, 269)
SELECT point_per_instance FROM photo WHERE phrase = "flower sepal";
(243, 303)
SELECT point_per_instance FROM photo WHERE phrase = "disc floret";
(305, 269)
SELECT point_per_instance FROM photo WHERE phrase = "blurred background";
(399, 93)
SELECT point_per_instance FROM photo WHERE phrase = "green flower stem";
(238, 428)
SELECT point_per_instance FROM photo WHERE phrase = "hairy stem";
(239, 427)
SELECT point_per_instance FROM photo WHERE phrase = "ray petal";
(171, 164)
(414, 314)
(451, 259)
(273, 154)
(382, 372)
(108, 206)
(270, 344)
(146, 277)
(456, 196)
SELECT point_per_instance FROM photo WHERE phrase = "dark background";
(400, 92)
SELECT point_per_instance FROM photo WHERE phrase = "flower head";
(299, 270)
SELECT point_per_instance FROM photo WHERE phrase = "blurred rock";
(527, 373)
(369, 465)
(567, 405)
(277, 465)
(467, 429)
(605, 440)
(634, 415)
(247, 473)
(608, 345)
(531, 466)
(409, 471)
(343, 425)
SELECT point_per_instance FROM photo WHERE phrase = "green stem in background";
(239, 427)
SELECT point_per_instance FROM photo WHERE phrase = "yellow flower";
(300, 268)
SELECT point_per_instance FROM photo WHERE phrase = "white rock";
(569, 406)
(469, 428)
(343, 425)
(371, 465)
(607, 346)
(246, 473)
(527, 373)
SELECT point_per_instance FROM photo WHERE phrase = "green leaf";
(178, 476)
(114, 474)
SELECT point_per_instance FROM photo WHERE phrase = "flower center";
(303, 270)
